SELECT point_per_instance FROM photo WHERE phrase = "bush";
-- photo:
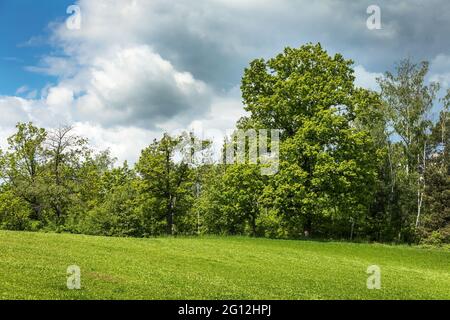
(438, 238)
(118, 215)
(14, 212)
(269, 224)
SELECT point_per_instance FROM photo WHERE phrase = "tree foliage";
(353, 164)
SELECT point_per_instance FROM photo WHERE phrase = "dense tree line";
(353, 164)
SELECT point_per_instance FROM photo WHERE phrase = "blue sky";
(21, 21)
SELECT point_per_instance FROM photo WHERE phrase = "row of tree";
(353, 164)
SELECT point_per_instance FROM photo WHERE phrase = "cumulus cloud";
(366, 79)
(215, 39)
(136, 87)
(12, 108)
(440, 70)
(125, 143)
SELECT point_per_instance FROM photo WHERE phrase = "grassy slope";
(33, 265)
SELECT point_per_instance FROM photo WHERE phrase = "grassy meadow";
(33, 266)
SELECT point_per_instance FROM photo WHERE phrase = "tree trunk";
(352, 228)
(419, 192)
(308, 226)
(169, 217)
(253, 223)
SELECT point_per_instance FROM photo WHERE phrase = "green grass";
(33, 266)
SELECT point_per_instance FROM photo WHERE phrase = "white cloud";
(55, 66)
(136, 87)
(13, 109)
(366, 79)
(21, 90)
(440, 70)
(125, 143)
(58, 97)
